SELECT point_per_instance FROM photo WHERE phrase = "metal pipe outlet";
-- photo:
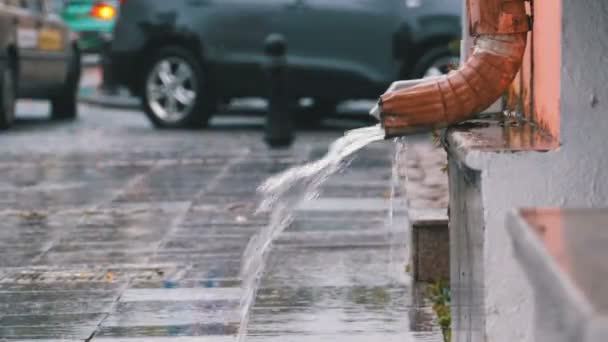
(500, 29)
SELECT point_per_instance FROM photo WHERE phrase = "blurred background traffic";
(115, 222)
(181, 62)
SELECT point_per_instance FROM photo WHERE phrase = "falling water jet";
(282, 194)
(398, 233)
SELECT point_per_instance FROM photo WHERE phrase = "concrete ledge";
(430, 245)
(474, 142)
(563, 253)
(491, 300)
(425, 187)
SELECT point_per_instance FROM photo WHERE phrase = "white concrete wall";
(576, 175)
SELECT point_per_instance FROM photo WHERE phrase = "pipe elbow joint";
(486, 75)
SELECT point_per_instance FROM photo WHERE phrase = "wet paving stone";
(227, 269)
(86, 277)
(48, 297)
(17, 283)
(215, 244)
(30, 309)
(171, 183)
(213, 282)
(193, 256)
(17, 258)
(93, 257)
(181, 295)
(50, 320)
(216, 338)
(112, 231)
(149, 332)
(66, 332)
(356, 191)
(141, 314)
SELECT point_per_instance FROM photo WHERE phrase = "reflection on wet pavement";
(112, 244)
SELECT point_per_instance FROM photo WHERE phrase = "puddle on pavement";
(289, 311)
(282, 194)
(326, 281)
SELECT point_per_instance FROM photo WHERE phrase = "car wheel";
(436, 62)
(312, 116)
(7, 97)
(64, 106)
(175, 92)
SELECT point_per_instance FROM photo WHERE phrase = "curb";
(94, 97)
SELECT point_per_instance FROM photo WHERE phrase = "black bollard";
(108, 83)
(279, 130)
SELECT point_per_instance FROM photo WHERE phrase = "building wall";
(536, 90)
(546, 55)
(569, 85)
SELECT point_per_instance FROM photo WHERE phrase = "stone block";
(430, 245)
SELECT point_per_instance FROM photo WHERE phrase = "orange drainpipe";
(500, 30)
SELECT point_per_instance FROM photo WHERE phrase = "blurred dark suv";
(183, 57)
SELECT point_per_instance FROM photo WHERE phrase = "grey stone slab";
(335, 239)
(188, 283)
(43, 340)
(303, 225)
(61, 333)
(165, 339)
(217, 329)
(141, 314)
(94, 257)
(11, 284)
(428, 216)
(32, 309)
(355, 337)
(346, 204)
(188, 257)
(52, 320)
(345, 267)
(96, 275)
(209, 244)
(181, 294)
(125, 245)
(49, 297)
(17, 258)
(217, 269)
(431, 252)
(114, 172)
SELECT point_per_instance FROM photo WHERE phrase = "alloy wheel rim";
(171, 89)
(442, 66)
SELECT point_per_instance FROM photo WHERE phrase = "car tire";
(64, 106)
(8, 96)
(435, 62)
(312, 117)
(175, 92)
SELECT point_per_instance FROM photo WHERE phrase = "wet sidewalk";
(144, 244)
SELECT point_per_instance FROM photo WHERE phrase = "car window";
(368, 5)
(56, 6)
(14, 3)
(35, 7)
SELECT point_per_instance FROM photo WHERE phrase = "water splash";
(282, 194)
(398, 233)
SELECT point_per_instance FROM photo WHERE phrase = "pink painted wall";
(547, 63)
(536, 89)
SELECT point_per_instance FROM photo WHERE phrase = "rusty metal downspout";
(500, 30)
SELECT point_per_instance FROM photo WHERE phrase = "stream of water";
(397, 230)
(282, 194)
